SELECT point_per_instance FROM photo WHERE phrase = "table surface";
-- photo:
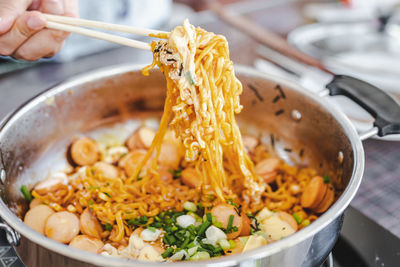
(379, 194)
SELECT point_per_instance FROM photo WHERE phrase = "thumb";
(9, 11)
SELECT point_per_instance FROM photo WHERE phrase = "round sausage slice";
(140, 139)
(191, 178)
(85, 151)
(267, 169)
(87, 243)
(89, 224)
(36, 217)
(246, 222)
(62, 226)
(313, 193)
(327, 201)
(222, 212)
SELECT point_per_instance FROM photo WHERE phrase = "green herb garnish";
(107, 194)
(202, 228)
(190, 77)
(153, 229)
(167, 253)
(108, 227)
(230, 202)
(26, 193)
(327, 179)
(209, 217)
(175, 173)
(305, 223)
(138, 221)
(297, 218)
(93, 187)
(230, 222)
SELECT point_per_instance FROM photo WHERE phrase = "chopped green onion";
(200, 255)
(90, 202)
(170, 238)
(230, 222)
(156, 225)
(297, 218)
(232, 243)
(218, 224)
(191, 229)
(230, 202)
(190, 206)
(209, 217)
(108, 227)
(167, 253)
(185, 243)
(305, 222)
(176, 173)
(27, 194)
(224, 244)
(327, 179)
(192, 250)
(93, 187)
(203, 228)
(107, 194)
(152, 229)
(190, 77)
(138, 221)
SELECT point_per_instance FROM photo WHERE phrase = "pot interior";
(297, 127)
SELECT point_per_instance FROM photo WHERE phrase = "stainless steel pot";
(301, 127)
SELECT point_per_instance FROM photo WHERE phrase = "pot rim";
(308, 232)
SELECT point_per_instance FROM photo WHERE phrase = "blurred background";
(354, 37)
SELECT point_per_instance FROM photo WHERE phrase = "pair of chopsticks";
(76, 25)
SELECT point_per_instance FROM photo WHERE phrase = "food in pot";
(192, 190)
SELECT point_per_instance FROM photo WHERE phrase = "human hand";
(22, 27)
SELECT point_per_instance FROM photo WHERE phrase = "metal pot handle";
(383, 107)
(13, 237)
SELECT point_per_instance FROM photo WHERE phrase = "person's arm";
(22, 27)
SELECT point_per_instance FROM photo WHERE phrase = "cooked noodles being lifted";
(192, 190)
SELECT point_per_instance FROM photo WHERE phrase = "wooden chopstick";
(99, 35)
(102, 25)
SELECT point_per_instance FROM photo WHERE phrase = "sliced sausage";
(170, 155)
(313, 193)
(140, 139)
(131, 161)
(267, 169)
(191, 178)
(35, 202)
(37, 216)
(85, 151)
(106, 169)
(222, 212)
(326, 201)
(246, 222)
(87, 243)
(89, 224)
(250, 142)
(52, 183)
(62, 226)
